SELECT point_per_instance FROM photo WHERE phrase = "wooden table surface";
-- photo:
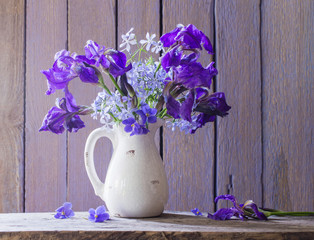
(174, 225)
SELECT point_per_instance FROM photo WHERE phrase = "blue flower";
(196, 211)
(133, 127)
(64, 211)
(147, 114)
(98, 215)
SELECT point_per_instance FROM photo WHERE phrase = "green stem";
(280, 213)
(270, 212)
(116, 84)
(103, 85)
(158, 67)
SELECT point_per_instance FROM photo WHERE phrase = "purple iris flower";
(171, 59)
(168, 39)
(147, 114)
(110, 59)
(133, 127)
(66, 68)
(96, 52)
(98, 215)
(182, 39)
(197, 212)
(190, 37)
(214, 104)
(65, 211)
(118, 64)
(65, 113)
(242, 211)
(194, 75)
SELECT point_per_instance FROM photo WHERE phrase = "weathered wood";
(12, 106)
(167, 226)
(143, 16)
(45, 153)
(94, 20)
(189, 159)
(288, 104)
(239, 135)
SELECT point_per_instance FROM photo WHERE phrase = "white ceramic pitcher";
(136, 183)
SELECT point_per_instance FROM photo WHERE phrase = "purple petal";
(227, 197)
(173, 107)
(259, 214)
(128, 121)
(152, 119)
(74, 123)
(171, 59)
(223, 214)
(57, 215)
(100, 210)
(186, 107)
(168, 38)
(102, 217)
(88, 75)
(128, 128)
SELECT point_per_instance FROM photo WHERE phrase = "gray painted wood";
(239, 135)
(288, 104)
(45, 153)
(12, 106)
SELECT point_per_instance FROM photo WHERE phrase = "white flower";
(127, 40)
(157, 47)
(149, 41)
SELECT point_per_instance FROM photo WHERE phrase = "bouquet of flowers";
(176, 88)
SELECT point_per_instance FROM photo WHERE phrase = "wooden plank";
(96, 21)
(142, 15)
(12, 106)
(45, 153)
(239, 142)
(189, 159)
(288, 104)
(178, 225)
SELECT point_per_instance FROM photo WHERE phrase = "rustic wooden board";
(94, 20)
(288, 104)
(239, 135)
(189, 159)
(12, 70)
(142, 15)
(45, 153)
(167, 226)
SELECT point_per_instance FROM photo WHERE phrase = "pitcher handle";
(89, 157)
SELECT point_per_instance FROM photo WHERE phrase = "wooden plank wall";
(264, 150)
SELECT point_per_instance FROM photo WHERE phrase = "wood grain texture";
(143, 16)
(178, 225)
(12, 106)
(189, 158)
(288, 104)
(94, 20)
(45, 153)
(239, 135)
